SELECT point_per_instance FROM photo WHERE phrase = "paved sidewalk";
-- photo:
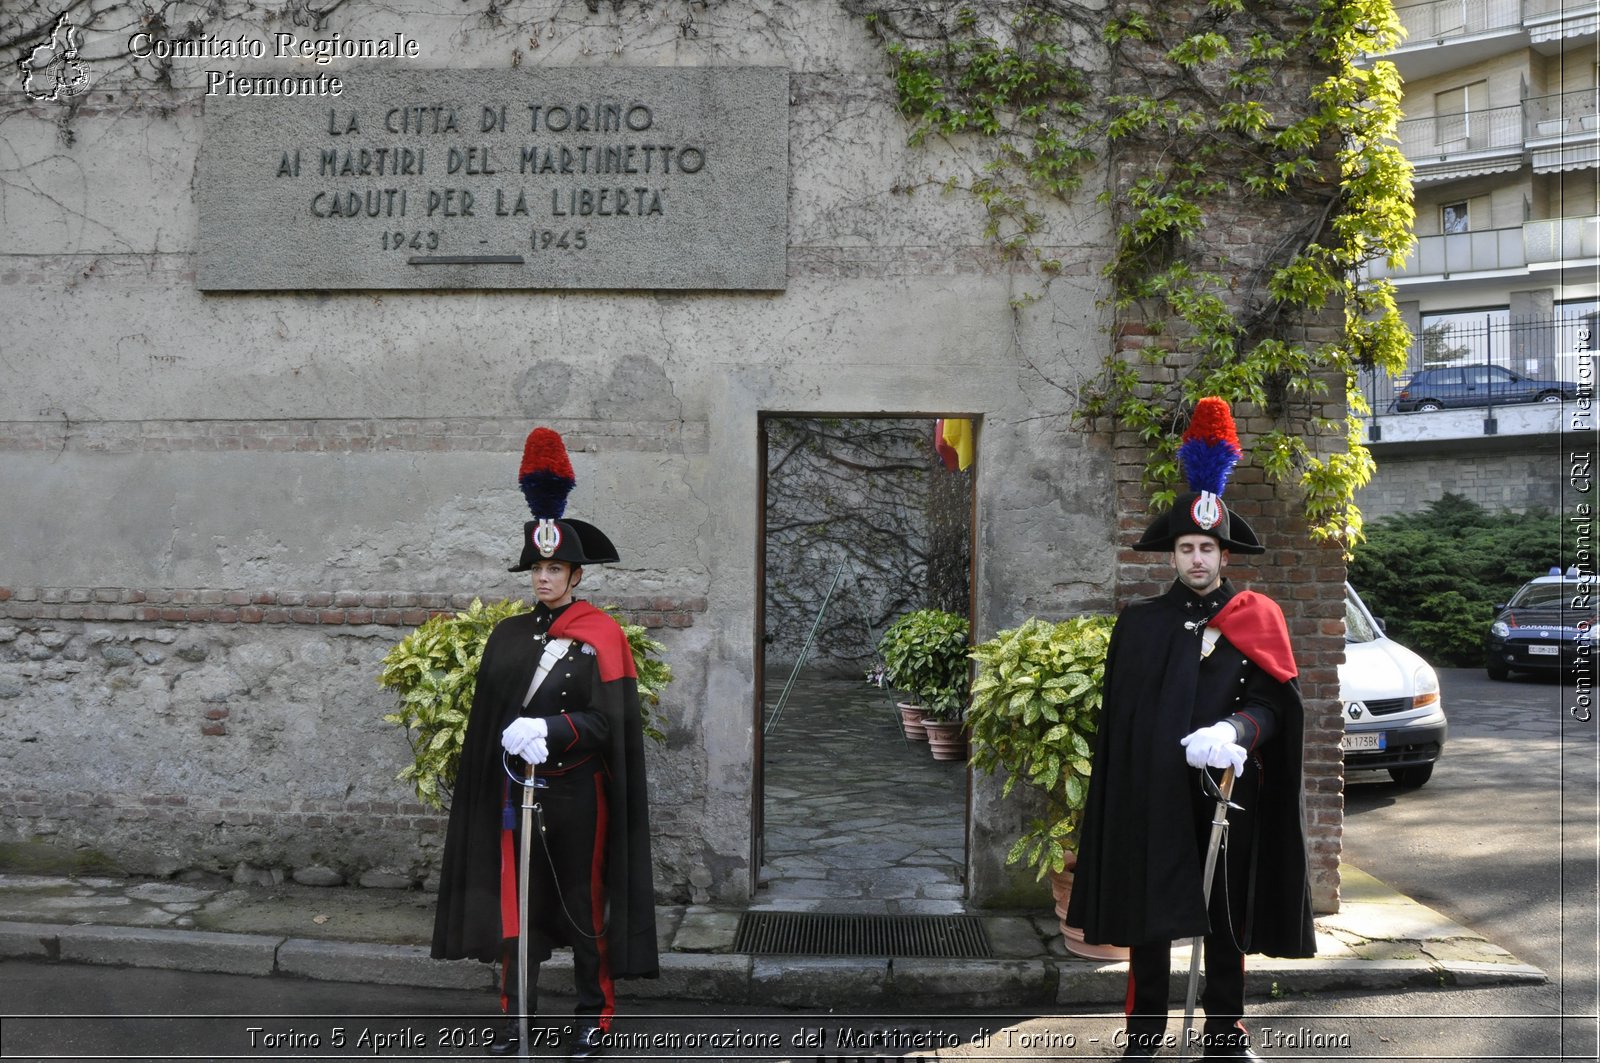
(880, 834)
(1379, 940)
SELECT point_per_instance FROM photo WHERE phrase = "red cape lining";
(595, 627)
(1254, 623)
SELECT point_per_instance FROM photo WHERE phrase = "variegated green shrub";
(1035, 707)
(434, 669)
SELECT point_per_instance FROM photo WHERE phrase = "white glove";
(1216, 746)
(525, 738)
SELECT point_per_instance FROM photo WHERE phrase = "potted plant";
(910, 715)
(925, 655)
(1035, 707)
(434, 670)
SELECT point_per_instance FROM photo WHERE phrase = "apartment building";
(1503, 129)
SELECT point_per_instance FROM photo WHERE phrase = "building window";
(1453, 218)
(1454, 112)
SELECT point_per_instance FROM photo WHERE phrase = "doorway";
(860, 522)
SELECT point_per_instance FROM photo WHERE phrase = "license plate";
(1371, 740)
(1543, 651)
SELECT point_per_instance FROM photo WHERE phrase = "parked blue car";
(1477, 385)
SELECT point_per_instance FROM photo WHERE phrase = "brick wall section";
(1308, 582)
(1305, 579)
(169, 605)
(342, 435)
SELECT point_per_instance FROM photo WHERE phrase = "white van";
(1393, 715)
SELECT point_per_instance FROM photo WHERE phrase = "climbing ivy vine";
(1210, 99)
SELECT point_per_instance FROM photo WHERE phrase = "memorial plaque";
(595, 177)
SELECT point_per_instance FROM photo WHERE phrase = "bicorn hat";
(546, 479)
(1208, 453)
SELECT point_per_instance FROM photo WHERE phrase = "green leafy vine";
(1275, 327)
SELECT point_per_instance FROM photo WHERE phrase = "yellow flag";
(958, 436)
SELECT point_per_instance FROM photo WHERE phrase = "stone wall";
(221, 508)
(1518, 474)
(226, 732)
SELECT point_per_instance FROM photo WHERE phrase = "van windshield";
(1357, 628)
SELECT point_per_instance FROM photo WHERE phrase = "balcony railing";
(1563, 115)
(1550, 20)
(1480, 130)
(1548, 240)
(1538, 8)
(1457, 18)
(1561, 239)
(1441, 20)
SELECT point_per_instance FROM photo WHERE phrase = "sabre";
(553, 650)
(524, 876)
(1219, 826)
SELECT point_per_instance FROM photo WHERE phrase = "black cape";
(1138, 877)
(467, 920)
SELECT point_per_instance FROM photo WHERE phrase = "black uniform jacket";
(1139, 871)
(606, 721)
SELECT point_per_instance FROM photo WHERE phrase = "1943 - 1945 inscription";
(551, 178)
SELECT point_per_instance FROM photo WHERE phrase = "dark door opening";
(860, 519)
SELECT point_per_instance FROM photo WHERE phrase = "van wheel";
(1429, 405)
(1498, 672)
(1412, 777)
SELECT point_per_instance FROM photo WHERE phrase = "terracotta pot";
(947, 739)
(911, 722)
(1061, 889)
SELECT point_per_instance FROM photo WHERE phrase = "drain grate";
(825, 934)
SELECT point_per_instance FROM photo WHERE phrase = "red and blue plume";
(546, 474)
(1210, 447)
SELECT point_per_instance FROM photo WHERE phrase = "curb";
(728, 978)
(179, 950)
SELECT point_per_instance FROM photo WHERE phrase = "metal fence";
(1453, 18)
(1547, 348)
(1563, 113)
(1437, 20)
(1479, 129)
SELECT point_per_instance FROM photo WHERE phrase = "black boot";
(505, 1041)
(590, 1043)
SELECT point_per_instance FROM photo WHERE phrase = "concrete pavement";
(880, 835)
(1380, 939)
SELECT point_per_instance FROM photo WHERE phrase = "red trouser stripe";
(509, 922)
(597, 899)
(510, 919)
